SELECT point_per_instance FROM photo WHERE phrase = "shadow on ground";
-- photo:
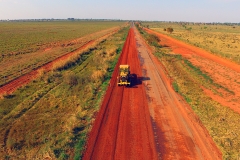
(137, 80)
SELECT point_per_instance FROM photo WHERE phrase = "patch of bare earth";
(229, 93)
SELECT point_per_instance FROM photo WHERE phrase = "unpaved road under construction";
(122, 129)
(148, 120)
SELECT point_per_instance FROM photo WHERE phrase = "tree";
(169, 30)
(71, 79)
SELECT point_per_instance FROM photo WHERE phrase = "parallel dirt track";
(183, 48)
(122, 129)
(178, 132)
(26, 78)
(22, 80)
(222, 71)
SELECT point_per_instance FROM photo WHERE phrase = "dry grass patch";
(98, 75)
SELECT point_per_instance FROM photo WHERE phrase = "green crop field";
(27, 37)
(28, 45)
(51, 116)
(222, 40)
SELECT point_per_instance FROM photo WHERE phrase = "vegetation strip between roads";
(52, 115)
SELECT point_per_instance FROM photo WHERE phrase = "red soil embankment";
(183, 48)
(222, 71)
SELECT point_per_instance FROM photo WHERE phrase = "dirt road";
(222, 71)
(124, 127)
(178, 132)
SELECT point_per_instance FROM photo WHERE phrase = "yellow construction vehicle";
(124, 76)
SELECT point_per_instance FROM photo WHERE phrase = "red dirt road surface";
(122, 129)
(125, 129)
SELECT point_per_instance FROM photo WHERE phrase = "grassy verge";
(221, 122)
(51, 116)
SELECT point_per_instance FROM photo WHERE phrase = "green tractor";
(124, 76)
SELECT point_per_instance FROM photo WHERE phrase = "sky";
(150, 10)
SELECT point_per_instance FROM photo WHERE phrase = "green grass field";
(221, 122)
(25, 37)
(51, 116)
(219, 39)
(28, 45)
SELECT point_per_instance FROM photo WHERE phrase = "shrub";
(71, 79)
(169, 30)
(175, 86)
(119, 50)
(6, 95)
(189, 29)
(154, 40)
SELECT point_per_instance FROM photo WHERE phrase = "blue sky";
(172, 10)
